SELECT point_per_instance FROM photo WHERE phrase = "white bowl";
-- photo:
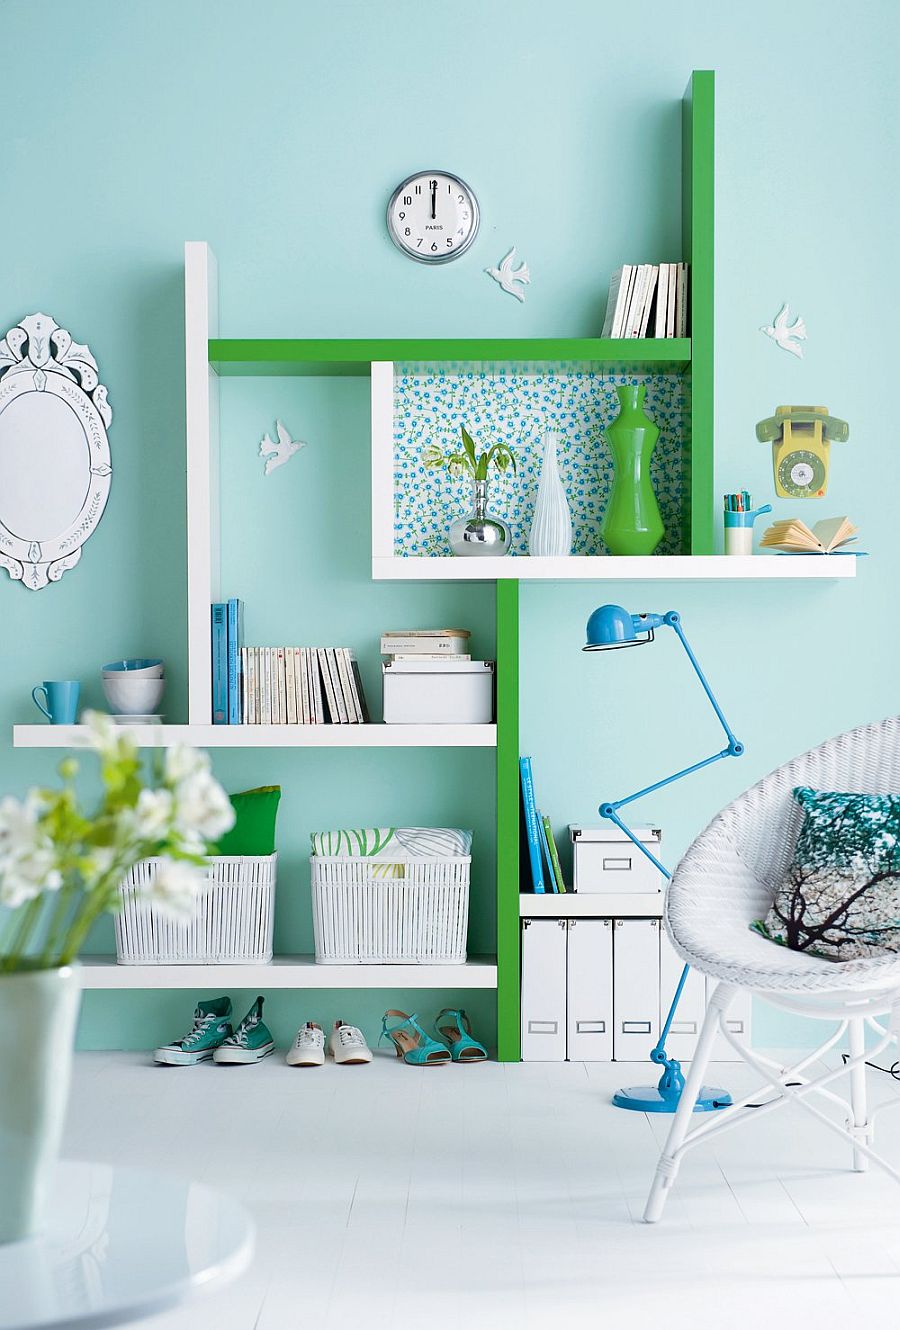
(133, 697)
(133, 669)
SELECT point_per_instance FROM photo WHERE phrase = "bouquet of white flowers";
(61, 866)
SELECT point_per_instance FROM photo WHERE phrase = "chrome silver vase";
(480, 533)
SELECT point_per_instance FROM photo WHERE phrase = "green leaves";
(470, 462)
(469, 445)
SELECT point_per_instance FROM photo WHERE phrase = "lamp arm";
(734, 747)
(673, 619)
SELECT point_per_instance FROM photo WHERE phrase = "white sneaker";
(346, 1044)
(308, 1049)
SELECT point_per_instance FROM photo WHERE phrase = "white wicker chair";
(726, 880)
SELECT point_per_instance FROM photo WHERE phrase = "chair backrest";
(763, 823)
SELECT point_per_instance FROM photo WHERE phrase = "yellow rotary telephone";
(800, 436)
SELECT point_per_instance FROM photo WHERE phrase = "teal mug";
(61, 698)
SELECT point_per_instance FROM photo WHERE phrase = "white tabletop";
(121, 1244)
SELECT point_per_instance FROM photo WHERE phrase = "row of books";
(427, 644)
(301, 686)
(542, 851)
(280, 685)
(647, 300)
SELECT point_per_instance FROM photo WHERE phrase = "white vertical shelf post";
(201, 321)
(382, 460)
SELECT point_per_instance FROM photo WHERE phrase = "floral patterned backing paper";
(495, 404)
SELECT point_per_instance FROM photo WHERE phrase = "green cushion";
(840, 897)
(254, 825)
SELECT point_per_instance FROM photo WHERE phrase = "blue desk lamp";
(609, 628)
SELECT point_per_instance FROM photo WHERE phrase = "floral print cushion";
(395, 845)
(840, 897)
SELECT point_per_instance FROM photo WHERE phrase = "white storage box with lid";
(607, 862)
(438, 692)
(233, 921)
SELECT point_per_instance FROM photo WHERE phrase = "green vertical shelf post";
(508, 1031)
(697, 232)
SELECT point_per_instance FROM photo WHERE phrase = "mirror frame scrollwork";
(37, 356)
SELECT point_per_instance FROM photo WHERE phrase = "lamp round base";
(648, 1099)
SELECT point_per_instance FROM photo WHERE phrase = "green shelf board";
(353, 356)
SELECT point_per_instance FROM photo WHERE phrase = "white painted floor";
(500, 1198)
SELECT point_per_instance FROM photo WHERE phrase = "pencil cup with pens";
(739, 519)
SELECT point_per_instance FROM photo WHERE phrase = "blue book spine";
(531, 824)
(219, 664)
(551, 876)
(235, 636)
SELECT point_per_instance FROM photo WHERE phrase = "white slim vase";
(38, 1012)
(551, 527)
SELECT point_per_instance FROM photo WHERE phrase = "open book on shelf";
(792, 536)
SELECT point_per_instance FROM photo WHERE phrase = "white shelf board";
(287, 972)
(584, 905)
(626, 568)
(271, 736)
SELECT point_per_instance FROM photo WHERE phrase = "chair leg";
(859, 1125)
(669, 1161)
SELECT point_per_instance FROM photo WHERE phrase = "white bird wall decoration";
(787, 337)
(511, 279)
(276, 454)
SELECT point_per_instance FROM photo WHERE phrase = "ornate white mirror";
(54, 453)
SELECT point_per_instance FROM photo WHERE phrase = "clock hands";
(433, 199)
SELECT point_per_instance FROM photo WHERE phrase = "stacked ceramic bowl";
(134, 688)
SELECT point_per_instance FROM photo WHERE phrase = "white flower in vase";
(174, 886)
(202, 807)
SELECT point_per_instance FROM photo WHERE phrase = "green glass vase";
(632, 523)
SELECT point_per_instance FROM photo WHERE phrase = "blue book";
(235, 641)
(551, 876)
(531, 824)
(219, 664)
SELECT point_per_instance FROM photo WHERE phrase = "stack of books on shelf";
(280, 685)
(647, 300)
(542, 851)
(418, 644)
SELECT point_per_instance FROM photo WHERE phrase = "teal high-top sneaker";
(212, 1026)
(251, 1042)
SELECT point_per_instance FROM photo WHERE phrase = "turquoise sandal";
(413, 1045)
(458, 1033)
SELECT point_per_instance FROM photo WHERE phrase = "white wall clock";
(433, 216)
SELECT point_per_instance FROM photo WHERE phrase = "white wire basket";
(233, 922)
(362, 916)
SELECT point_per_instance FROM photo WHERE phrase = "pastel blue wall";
(276, 133)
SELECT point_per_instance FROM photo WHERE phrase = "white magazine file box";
(589, 1017)
(544, 990)
(635, 988)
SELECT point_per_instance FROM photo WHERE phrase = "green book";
(554, 856)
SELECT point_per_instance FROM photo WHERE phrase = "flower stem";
(25, 921)
(56, 929)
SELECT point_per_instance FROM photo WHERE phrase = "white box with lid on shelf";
(438, 692)
(606, 861)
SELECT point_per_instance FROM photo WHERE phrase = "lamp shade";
(611, 626)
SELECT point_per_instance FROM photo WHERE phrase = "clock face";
(433, 217)
(801, 474)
